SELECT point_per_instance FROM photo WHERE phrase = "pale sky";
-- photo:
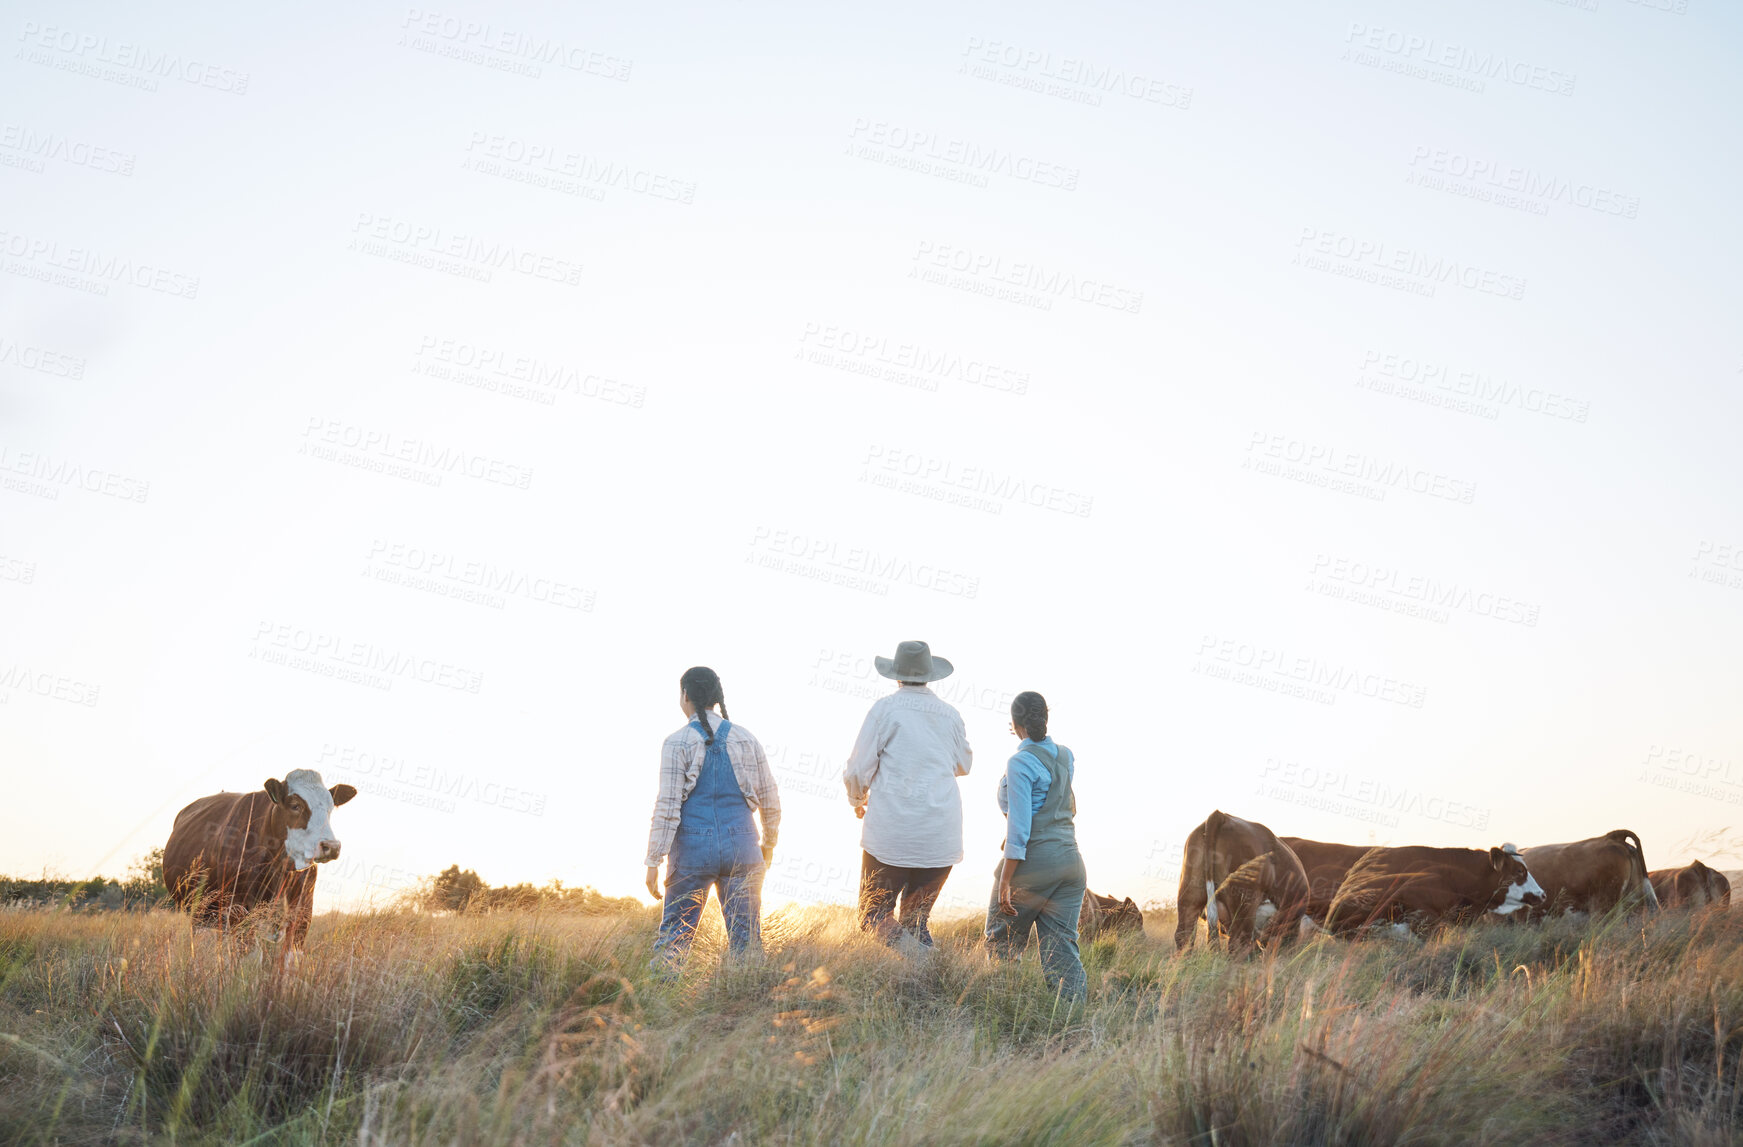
(1331, 409)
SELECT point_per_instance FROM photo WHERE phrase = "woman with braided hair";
(713, 774)
(1040, 881)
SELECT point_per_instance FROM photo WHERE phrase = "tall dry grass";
(408, 1029)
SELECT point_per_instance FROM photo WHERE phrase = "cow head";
(306, 808)
(1104, 914)
(1514, 882)
(1699, 886)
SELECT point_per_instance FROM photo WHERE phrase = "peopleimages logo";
(1066, 77)
(51, 685)
(520, 375)
(362, 662)
(487, 578)
(381, 447)
(385, 770)
(1368, 583)
(467, 40)
(423, 244)
(893, 461)
(1228, 658)
(908, 363)
(17, 569)
(1382, 474)
(561, 163)
(1474, 385)
(1524, 181)
(921, 144)
(1047, 282)
(1362, 798)
(87, 48)
(41, 146)
(1377, 256)
(1694, 774)
(97, 268)
(25, 356)
(1458, 58)
(856, 567)
(52, 474)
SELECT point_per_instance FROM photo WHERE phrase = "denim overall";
(1047, 887)
(716, 847)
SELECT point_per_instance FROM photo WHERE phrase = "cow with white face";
(1427, 887)
(232, 853)
(308, 805)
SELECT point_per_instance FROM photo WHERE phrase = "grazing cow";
(1326, 865)
(1105, 914)
(1692, 886)
(1422, 887)
(1591, 876)
(231, 853)
(1243, 880)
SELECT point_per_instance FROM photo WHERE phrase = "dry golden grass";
(406, 1029)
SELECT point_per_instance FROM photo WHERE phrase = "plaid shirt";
(680, 765)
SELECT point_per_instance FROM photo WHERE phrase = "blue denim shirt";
(1026, 776)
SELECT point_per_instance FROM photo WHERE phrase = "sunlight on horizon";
(1331, 412)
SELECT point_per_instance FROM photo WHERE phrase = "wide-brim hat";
(914, 662)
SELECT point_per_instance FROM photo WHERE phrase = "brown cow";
(1105, 914)
(1243, 880)
(1419, 887)
(1326, 865)
(1692, 886)
(1591, 876)
(231, 853)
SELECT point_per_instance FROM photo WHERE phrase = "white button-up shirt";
(903, 772)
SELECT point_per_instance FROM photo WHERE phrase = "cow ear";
(1497, 857)
(275, 789)
(342, 793)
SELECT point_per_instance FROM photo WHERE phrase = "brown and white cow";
(1592, 876)
(1105, 915)
(232, 853)
(1418, 887)
(1243, 881)
(1692, 886)
(1326, 865)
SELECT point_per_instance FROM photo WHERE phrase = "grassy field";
(400, 1028)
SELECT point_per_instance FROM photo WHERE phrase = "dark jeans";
(880, 887)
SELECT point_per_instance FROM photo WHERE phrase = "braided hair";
(1029, 713)
(702, 685)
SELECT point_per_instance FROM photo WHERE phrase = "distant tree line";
(457, 890)
(140, 889)
(451, 890)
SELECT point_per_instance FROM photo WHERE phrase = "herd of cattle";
(1257, 888)
(234, 853)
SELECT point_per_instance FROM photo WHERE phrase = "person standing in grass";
(713, 774)
(901, 779)
(1041, 880)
